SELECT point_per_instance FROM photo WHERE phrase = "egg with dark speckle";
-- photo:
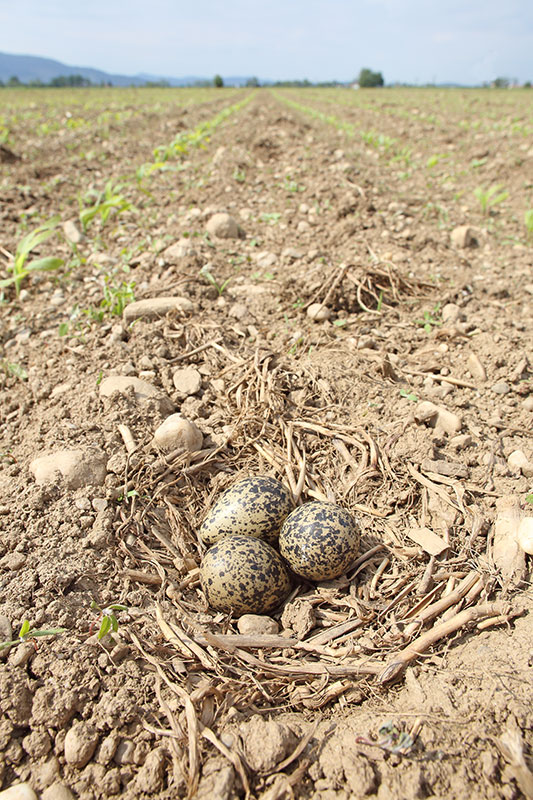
(244, 575)
(255, 506)
(319, 540)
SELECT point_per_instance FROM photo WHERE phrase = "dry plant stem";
(202, 347)
(441, 605)
(424, 642)
(442, 378)
(129, 441)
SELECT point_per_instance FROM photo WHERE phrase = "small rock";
(266, 260)
(224, 226)
(438, 417)
(299, 616)
(518, 462)
(149, 779)
(256, 625)
(266, 743)
(464, 236)
(13, 561)
(476, 368)
(76, 467)
(177, 433)
(451, 313)
(448, 468)
(177, 251)
(71, 232)
(57, 791)
(143, 391)
(187, 381)
(318, 312)
(124, 752)
(528, 403)
(461, 442)
(501, 387)
(21, 791)
(217, 780)
(156, 307)
(80, 743)
(238, 311)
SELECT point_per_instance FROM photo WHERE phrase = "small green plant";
(488, 198)
(110, 199)
(108, 619)
(435, 159)
(27, 633)
(14, 370)
(20, 268)
(430, 320)
(409, 396)
(239, 175)
(529, 498)
(220, 287)
(272, 218)
(528, 219)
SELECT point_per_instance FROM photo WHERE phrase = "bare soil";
(176, 702)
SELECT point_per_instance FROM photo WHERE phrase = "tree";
(14, 81)
(252, 82)
(218, 82)
(368, 79)
(501, 83)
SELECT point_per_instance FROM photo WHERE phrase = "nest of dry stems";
(342, 637)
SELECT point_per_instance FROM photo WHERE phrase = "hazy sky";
(466, 41)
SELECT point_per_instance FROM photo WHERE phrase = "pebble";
(72, 233)
(187, 381)
(80, 743)
(528, 403)
(143, 391)
(177, 433)
(76, 467)
(461, 442)
(156, 307)
(452, 313)
(501, 387)
(476, 368)
(224, 226)
(266, 260)
(177, 251)
(438, 417)
(464, 236)
(21, 791)
(266, 743)
(448, 468)
(518, 462)
(318, 312)
(13, 561)
(58, 791)
(149, 779)
(256, 625)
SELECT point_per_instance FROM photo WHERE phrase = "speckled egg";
(319, 540)
(254, 506)
(244, 575)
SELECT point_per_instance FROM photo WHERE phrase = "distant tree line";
(60, 81)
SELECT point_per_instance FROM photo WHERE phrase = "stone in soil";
(224, 226)
(438, 417)
(501, 387)
(72, 233)
(154, 308)
(476, 368)
(142, 389)
(464, 236)
(187, 381)
(80, 743)
(318, 312)
(177, 433)
(58, 791)
(266, 743)
(518, 462)
(76, 467)
(256, 625)
(21, 791)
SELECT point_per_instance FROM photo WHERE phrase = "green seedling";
(409, 396)
(529, 498)
(239, 175)
(205, 273)
(271, 218)
(27, 633)
(392, 739)
(488, 198)
(104, 203)
(429, 319)
(14, 370)
(20, 268)
(528, 219)
(108, 619)
(435, 159)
